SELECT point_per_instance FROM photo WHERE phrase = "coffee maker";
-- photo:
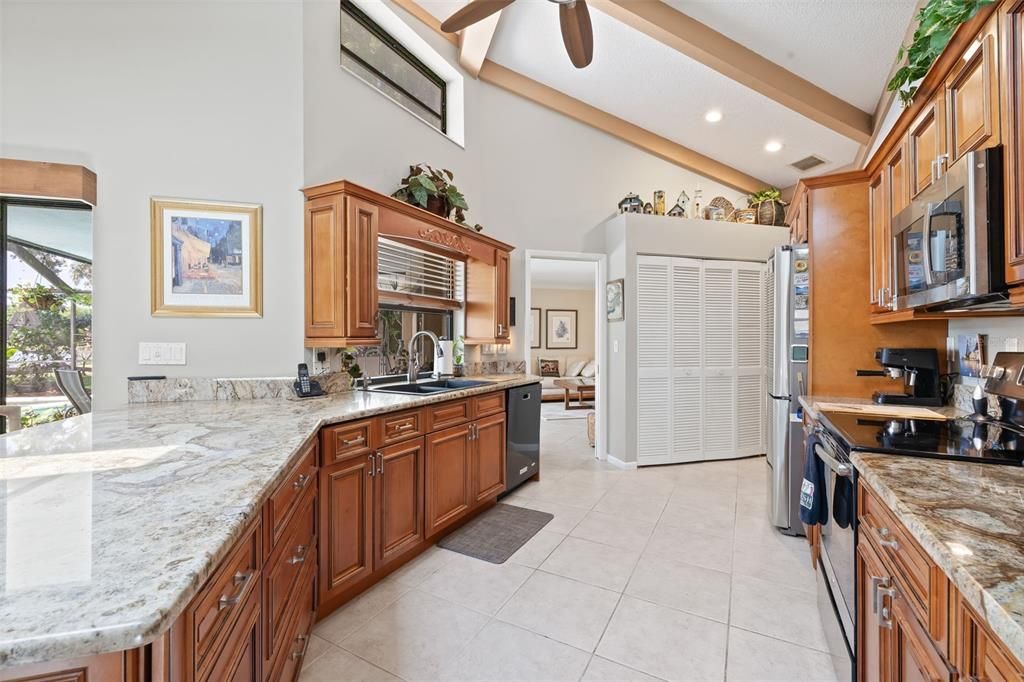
(919, 369)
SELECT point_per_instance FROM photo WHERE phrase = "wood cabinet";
(488, 458)
(346, 520)
(1011, 19)
(487, 302)
(873, 645)
(981, 656)
(112, 667)
(878, 214)
(398, 504)
(915, 657)
(972, 96)
(926, 144)
(448, 476)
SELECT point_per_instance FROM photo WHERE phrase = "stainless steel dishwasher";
(522, 435)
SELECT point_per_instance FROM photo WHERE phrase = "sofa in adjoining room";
(551, 369)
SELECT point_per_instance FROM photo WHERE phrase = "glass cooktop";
(960, 439)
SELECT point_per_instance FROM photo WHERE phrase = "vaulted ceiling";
(806, 74)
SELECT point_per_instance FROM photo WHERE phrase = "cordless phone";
(304, 386)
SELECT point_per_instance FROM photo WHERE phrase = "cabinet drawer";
(281, 576)
(923, 580)
(238, 659)
(285, 499)
(300, 621)
(492, 403)
(401, 425)
(217, 606)
(447, 414)
(347, 439)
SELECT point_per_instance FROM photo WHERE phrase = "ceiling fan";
(573, 15)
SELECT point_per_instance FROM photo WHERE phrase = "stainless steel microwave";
(948, 244)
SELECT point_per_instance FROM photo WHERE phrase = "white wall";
(201, 100)
(580, 300)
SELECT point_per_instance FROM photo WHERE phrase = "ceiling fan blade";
(577, 32)
(473, 12)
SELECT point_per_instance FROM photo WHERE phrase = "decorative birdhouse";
(677, 211)
(632, 203)
(649, 208)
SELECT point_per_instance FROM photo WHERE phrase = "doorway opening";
(46, 319)
(565, 340)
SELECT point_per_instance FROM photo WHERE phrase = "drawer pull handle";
(404, 427)
(239, 579)
(299, 556)
(301, 482)
(301, 641)
(890, 544)
(355, 441)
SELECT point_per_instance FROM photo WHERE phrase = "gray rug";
(496, 535)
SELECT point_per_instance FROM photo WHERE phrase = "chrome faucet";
(414, 369)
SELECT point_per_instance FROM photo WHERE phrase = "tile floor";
(667, 573)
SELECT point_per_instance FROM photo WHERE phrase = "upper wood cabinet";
(972, 96)
(342, 225)
(878, 214)
(926, 144)
(1011, 18)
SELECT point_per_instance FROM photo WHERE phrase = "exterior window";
(373, 55)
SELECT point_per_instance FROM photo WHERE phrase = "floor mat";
(496, 535)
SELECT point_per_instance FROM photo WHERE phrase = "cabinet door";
(872, 638)
(105, 667)
(926, 143)
(361, 266)
(399, 501)
(448, 476)
(914, 656)
(1013, 121)
(501, 301)
(325, 268)
(981, 657)
(972, 98)
(346, 523)
(488, 457)
(879, 218)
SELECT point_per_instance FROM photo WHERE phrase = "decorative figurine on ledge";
(682, 205)
(659, 202)
(631, 203)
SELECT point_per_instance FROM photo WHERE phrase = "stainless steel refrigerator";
(788, 333)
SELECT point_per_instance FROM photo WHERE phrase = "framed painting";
(535, 329)
(206, 259)
(561, 328)
(615, 299)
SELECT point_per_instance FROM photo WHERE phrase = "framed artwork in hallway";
(535, 332)
(615, 298)
(561, 328)
(206, 259)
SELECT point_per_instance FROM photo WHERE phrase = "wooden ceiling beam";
(663, 148)
(741, 64)
(475, 41)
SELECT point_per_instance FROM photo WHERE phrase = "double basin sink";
(430, 387)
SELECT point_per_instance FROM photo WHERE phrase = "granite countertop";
(111, 522)
(811, 405)
(969, 518)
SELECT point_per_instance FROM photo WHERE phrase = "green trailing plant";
(937, 21)
(424, 182)
(766, 194)
(350, 366)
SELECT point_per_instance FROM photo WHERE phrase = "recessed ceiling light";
(773, 146)
(713, 116)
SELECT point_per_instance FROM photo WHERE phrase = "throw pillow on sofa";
(574, 369)
(549, 368)
(590, 370)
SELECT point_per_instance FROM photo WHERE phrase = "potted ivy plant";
(434, 190)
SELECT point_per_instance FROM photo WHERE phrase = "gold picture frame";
(206, 258)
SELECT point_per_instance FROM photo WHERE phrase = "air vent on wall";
(807, 163)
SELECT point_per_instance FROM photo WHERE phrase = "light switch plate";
(153, 353)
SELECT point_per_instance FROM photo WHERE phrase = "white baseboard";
(612, 459)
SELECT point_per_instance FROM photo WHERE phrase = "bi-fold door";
(700, 359)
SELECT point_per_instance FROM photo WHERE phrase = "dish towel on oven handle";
(813, 500)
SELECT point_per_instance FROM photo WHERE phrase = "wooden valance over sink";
(342, 223)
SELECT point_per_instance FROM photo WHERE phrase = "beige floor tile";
(713, 497)
(567, 610)
(680, 515)
(506, 652)
(777, 611)
(613, 530)
(317, 647)
(477, 584)
(591, 562)
(422, 567)
(689, 588)
(337, 665)
(537, 548)
(355, 614)
(691, 547)
(756, 658)
(566, 517)
(416, 636)
(603, 670)
(583, 496)
(665, 642)
(783, 560)
(633, 505)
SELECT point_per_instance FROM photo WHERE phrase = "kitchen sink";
(430, 387)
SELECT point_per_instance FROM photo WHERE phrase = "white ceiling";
(647, 83)
(562, 274)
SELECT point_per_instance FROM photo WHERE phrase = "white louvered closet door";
(719, 359)
(750, 359)
(687, 422)
(654, 371)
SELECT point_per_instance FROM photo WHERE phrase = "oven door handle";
(841, 468)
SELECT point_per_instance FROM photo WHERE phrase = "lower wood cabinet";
(346, 523)
(488, 458)
(448, 476)
(398, 502)
(914, 655)
(113, 667)
(872, 644)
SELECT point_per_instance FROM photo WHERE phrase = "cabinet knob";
(301, 482)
